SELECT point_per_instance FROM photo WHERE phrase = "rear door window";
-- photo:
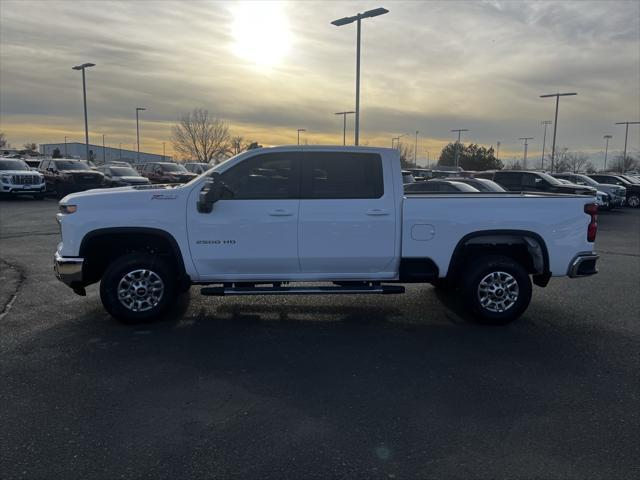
(334, 175)
(509, 180)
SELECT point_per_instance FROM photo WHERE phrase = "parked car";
(119, 176)
(32, 163)
(64, 176)
(439, 186)
(480, 184)
(323, 214)
(166, 172)
(602, 199)
(529, 181)
(617, 194)
(407, 177)
(119, 163)
(633, 189)
(197, 167)
(16, 178)
(420, 173)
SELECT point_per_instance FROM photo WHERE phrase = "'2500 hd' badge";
(215, 242)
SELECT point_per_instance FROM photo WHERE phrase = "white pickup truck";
(334, 216)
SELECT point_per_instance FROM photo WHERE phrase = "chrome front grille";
(26, 180)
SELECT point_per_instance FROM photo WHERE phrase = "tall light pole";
(164, 152)
(84, 99)
(415, 152)
(398, 140)
(345, 21)
(497, 150)
(555, 122)
(138, 110)
(344, 125)
(544, 140)
(103, 151)
(65, 146)
(524, 161)
(120, 148)
(606, 149)
(626, 134)
(459, 130)
(300, 130)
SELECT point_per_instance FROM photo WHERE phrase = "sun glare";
(261, 32)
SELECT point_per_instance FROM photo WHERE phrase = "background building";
(99, 154)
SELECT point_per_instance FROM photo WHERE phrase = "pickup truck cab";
(166, 172)
(530, 181)
(336, 215)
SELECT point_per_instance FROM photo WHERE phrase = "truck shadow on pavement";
(246, 388)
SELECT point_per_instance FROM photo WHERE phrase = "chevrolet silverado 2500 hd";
(337, 216)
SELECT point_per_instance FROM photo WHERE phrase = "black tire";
(496, 272)
(633, 200)
(141, 310)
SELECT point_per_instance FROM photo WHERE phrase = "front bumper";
(21, 190)
(68, 270)
(583, 265)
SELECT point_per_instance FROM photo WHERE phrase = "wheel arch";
(119, 240)
(513, 243)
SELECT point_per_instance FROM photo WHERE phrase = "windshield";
(71, 165)
(587, 180)
(631, 179)
(174, 167)
(123, 172)
(13, 165)
(549, 178)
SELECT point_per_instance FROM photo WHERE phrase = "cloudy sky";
(271, 68)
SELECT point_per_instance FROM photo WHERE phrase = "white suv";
(16, 178)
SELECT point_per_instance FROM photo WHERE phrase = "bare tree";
(577, 161)
(621, 164)
(406, 155)
(201, 137)
(3, 141)
(31, 147)
(513, 165)
(239, 145)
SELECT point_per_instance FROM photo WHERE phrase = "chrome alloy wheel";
(140, 290)
(498, 292)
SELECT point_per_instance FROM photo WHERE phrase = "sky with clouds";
(271, 68)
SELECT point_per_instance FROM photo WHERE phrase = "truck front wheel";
(497, 289)
(138, 287)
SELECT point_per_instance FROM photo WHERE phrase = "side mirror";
(212, 191)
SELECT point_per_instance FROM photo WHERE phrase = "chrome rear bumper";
(583, 265)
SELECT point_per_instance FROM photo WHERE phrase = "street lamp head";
(344, 21)
(374, 13)
(344, 113)
(557, 95)
(302, 129)
(368, 14)
(140, 109)
(608, 136)
(83, 66)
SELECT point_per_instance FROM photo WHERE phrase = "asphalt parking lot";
(309, 387)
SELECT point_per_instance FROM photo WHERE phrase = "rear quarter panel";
(559, 220)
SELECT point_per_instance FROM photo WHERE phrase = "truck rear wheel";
(497, 289)
(138, 287)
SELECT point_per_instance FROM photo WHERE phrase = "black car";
(64, 176)
(119, 176)
(439, 186)
(528, 181)
(633, 189)
(480, 184)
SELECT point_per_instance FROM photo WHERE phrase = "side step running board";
(351, 290)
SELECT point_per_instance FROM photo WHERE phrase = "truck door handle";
(280, 212)
(377, 212)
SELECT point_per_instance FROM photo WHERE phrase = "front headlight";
(68, 209)
(6, 179)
